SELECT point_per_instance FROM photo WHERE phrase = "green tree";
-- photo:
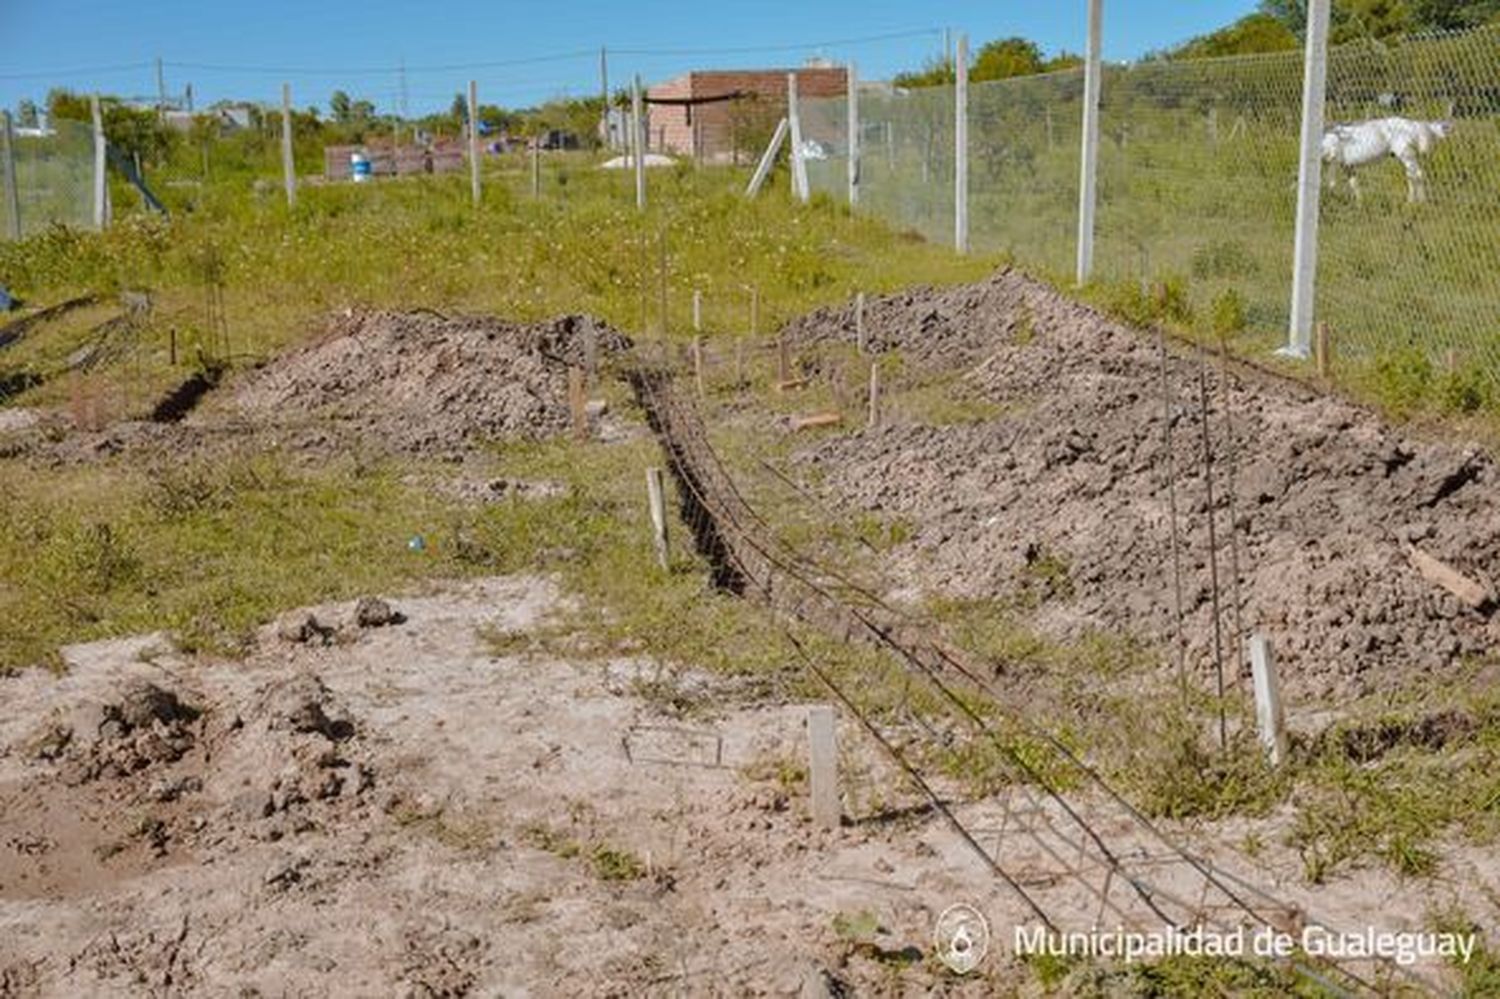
(1258, 32)
(26, 114)
(1007, 57)
(340, 106)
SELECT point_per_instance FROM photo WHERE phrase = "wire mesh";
(906, 155)
(1409, 273)
(54, 171)
(1197, 179)
(1197, 185)
(1023, 171)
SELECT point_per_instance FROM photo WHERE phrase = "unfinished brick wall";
(729, 130)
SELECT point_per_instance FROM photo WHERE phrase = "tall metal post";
(1089, 169)
(474, 140)
(605, 139)
(961, 147)
(101, 187)
(638, 138)
(852, 81)
(799, 167)
(288, 163)
(1309, 180)
(8, 165)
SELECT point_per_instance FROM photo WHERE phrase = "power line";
(801, 46)
(358, 70)
(80, 71)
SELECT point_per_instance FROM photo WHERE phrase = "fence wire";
(1197, 186)
(54, 174)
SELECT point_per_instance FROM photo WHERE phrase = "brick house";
(727, 115)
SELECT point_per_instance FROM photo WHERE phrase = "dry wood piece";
(816, 420)
(786, 385)
(1470, 591)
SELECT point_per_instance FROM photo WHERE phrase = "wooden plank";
(813, 420)
(1469, 591)
(578, 403)
(790, 384)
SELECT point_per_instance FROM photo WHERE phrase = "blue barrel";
(359, 167)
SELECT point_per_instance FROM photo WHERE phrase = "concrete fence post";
(1309, 181)
(1270, 721)
(101, 177)
(851, 82)
(1089, 166)
(799, 166)
(8, 167)
(823, 766)
(961, 147)
(638, 140)
(656, 498)
(288, 161)
(474, 141)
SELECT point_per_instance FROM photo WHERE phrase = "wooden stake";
(698, 366)
(1268, 714)
(859, 322)
(578, 403)
(697, 311)
(172, 346)
(1323, 349)
(783, 361)
(823, 766)
(739, 362)
(874, 395)
(656, 497)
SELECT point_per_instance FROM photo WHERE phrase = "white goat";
(1354, 145)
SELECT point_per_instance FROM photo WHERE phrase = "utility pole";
(161, 91)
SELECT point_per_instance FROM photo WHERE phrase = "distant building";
(390, 160)
(724, 115)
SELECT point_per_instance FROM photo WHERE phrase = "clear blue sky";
(244, 51)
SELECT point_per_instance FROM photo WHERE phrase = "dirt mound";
(1062, 502)
(933, 327)
(421, 382)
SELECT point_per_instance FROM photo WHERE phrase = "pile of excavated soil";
(1063, 500)
(421, 382)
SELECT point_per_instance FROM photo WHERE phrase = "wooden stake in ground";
(859, 322)
(814, 420)
(578, 403)
(1323, 351)
(656, 497)
(739, 362)
(697, 311)
(783, 362)
(823, 766)
(698, 367)
(874, 395)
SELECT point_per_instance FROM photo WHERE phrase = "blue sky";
(245, 51)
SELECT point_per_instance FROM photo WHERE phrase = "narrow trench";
(650, 387)
(183, 399)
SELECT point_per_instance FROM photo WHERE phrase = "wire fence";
(1197, 188)
(48, 179)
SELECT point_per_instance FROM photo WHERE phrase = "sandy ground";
(394, 808)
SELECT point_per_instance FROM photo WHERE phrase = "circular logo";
(962, 938)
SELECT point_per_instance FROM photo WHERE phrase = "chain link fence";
(53, 176)
(1197, 188)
